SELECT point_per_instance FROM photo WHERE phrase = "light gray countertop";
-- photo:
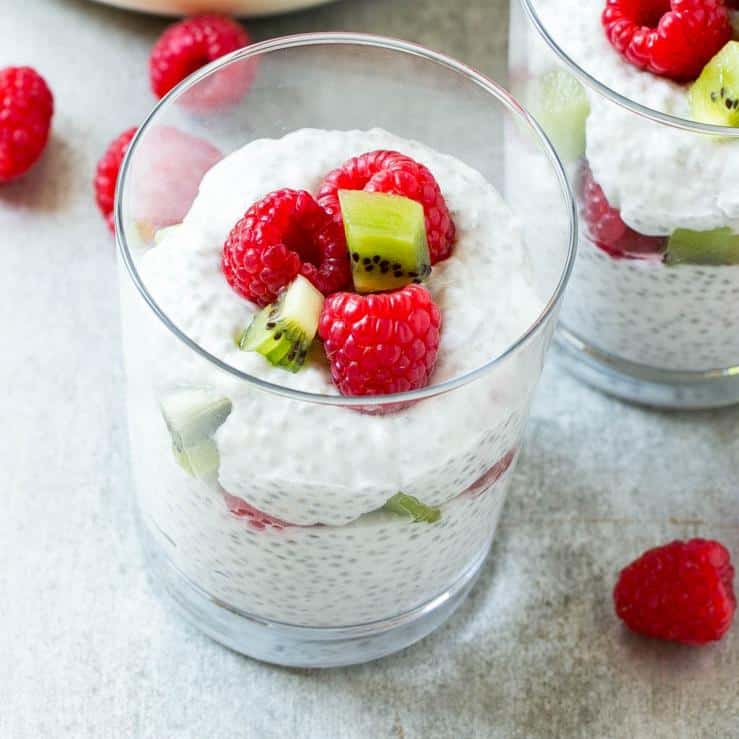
(87, 650)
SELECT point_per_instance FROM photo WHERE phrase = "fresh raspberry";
(170, 165)
(671, 38)
(106, 174)
(192, 43)
(396, 174)
(284, 234)
(487, 480)
(381, 343)
(606, 229)
(255, 518)
(682, 591)
(26, 108)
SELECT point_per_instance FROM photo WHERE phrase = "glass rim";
(379, 42)
(644, 111)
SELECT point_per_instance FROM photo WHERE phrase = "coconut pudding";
(327, 265)
(658, 267)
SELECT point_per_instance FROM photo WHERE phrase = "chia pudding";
(657, 272)
(287, 506)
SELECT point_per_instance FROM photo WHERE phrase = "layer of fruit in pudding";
(659, 264)
(334, 263)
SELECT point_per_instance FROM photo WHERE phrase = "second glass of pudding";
(310, 517)
(652, 312)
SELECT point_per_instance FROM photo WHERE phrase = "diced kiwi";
(192, 416)
(714, 96)
(559, 103)
(716, 247)
(386, 238)
(284, 330)
(407, 505)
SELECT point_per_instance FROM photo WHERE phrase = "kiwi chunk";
(716, 247)
(192, 416)
(560, 105)
(714, 96)
(407, 505)
(386, 238)
(284, 330)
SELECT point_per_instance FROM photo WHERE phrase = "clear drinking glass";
(346, 589)
(643, 320)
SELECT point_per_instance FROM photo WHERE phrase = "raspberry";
(170, 165)
(106, 174)
(284, 234)
(396, 174)
(381, 343)
(606, 229)
(682, 592)
(255, 518)
(489, 478)
(26, 108)
(671, 38)
(192, 43)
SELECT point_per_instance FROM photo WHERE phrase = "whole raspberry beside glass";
(284, 234)
(394, 174)
(682, 592)
(26, 109)
(671, 38)
(190, 44)
(106, 174)
(381, 343)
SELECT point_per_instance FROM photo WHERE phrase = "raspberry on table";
(190, 44)
(106, 174)
(395, 174)
(254, 517)
(682, 591)
(284, 234)
(607, 230)
(381, 343)
(671, 38)
(26, 109)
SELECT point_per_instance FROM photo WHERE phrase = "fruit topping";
(381, 343)
(407, 505)
(559, 103)
(671, 38)
(606, 229)
(386, 238)
(284, 234)
(682, 591)
(190, 44)
(395, 174)
(26, 108)
(714, 96)
(192, 417)
(284, 330)
(716, 247)
(106, 174)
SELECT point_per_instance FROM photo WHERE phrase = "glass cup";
(364, 572)
(650, 314)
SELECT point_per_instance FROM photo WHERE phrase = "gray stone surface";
(87, 650)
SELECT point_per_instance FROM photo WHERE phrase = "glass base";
(647, 385)
(300, 646)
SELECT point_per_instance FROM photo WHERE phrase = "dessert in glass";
(331, 337)
(640, 101)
